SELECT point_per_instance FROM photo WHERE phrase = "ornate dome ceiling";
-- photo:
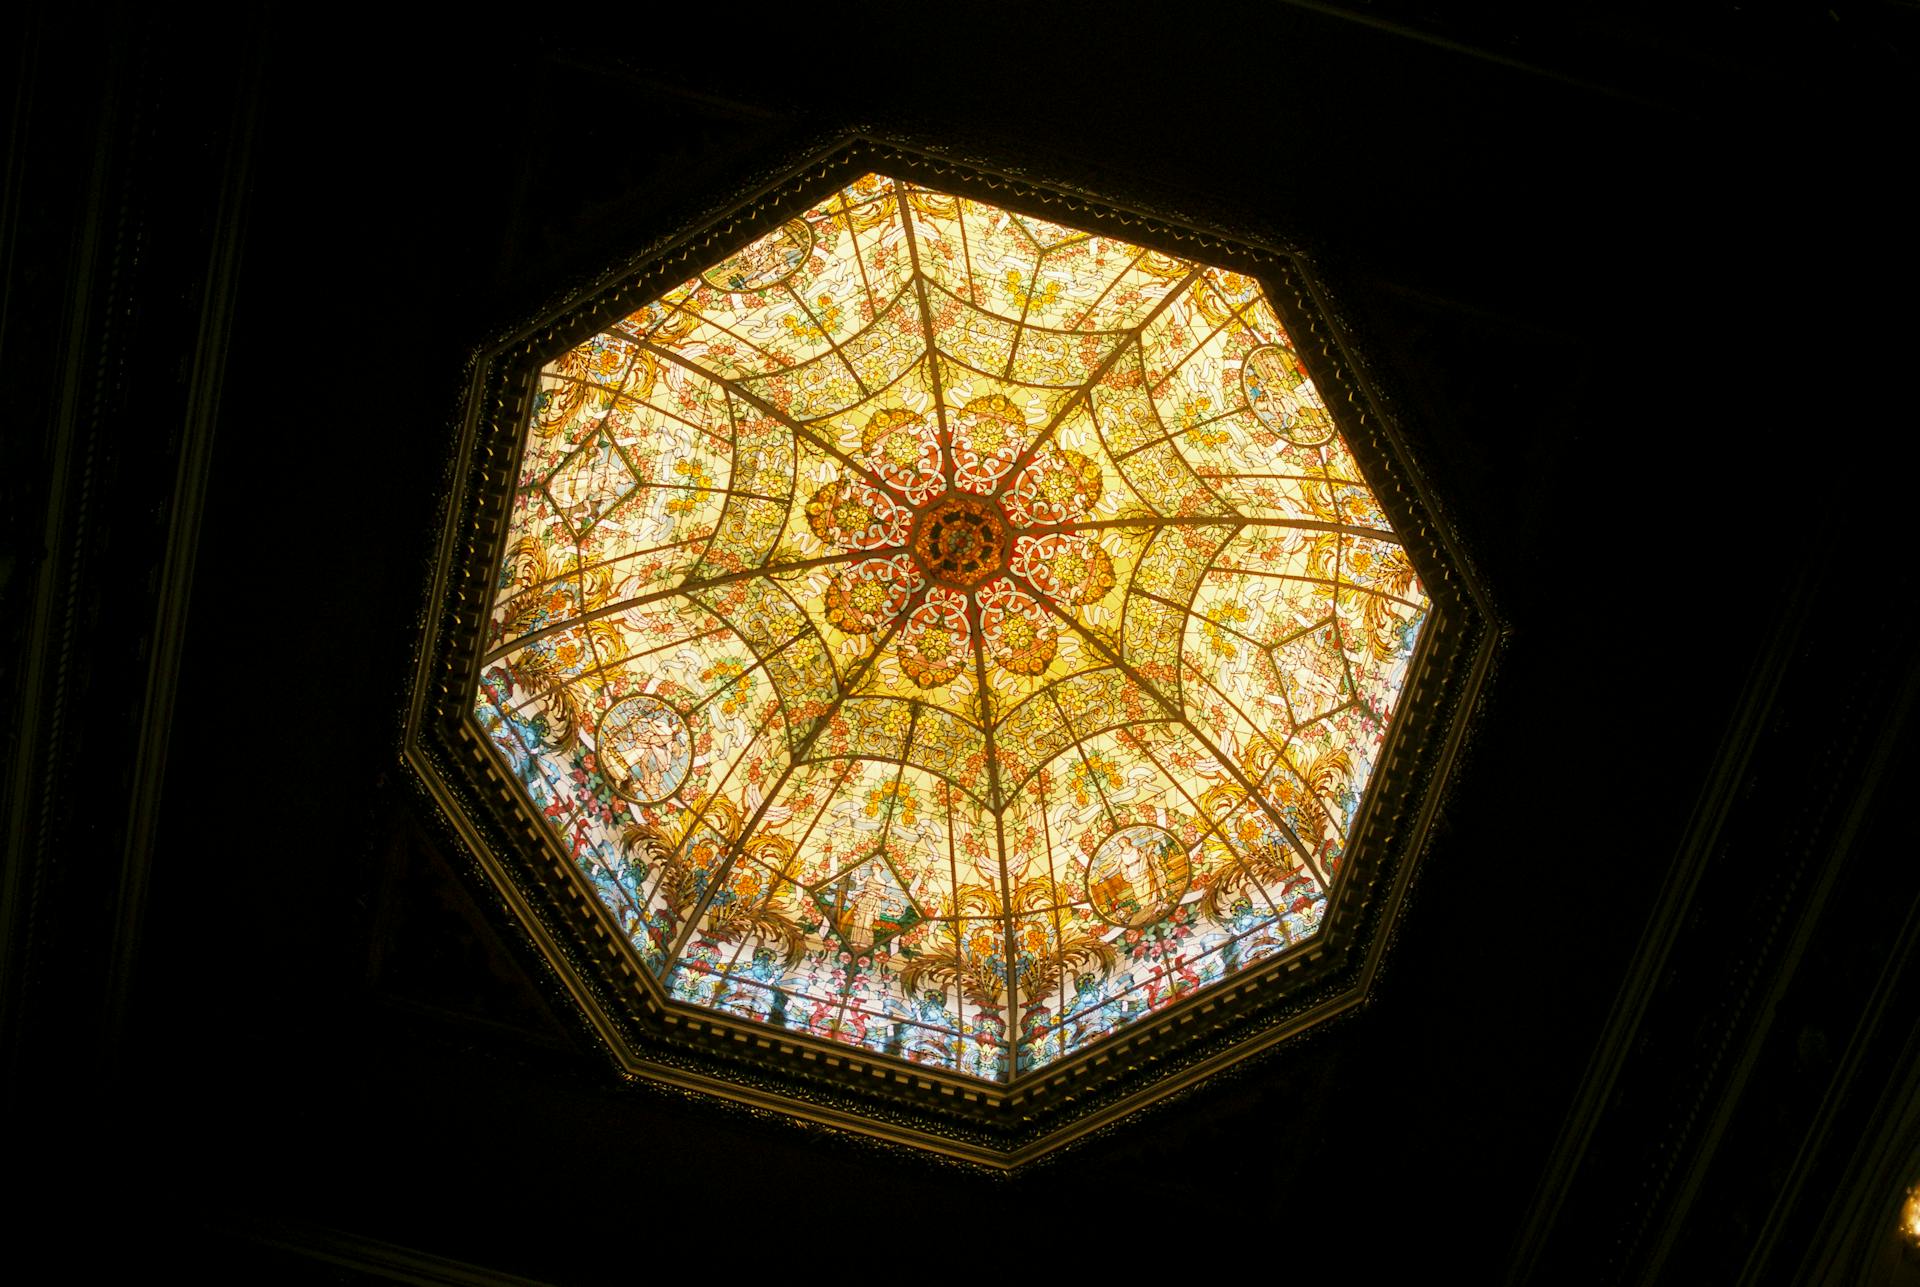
(939, 671)
(945, 632)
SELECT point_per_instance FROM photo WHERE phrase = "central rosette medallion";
(969, 534)
(960, 541)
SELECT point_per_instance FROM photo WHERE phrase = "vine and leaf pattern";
(753, 901)
(561, 665)
(970, 952)
(1248, 853)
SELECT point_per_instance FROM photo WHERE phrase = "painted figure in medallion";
(644, 749)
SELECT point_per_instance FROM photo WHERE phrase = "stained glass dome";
(938, 631)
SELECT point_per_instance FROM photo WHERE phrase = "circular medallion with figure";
(1137, 876)
(644, 749)
(767, 262)
(1284, 399)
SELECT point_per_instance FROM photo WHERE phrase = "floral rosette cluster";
(973, 539)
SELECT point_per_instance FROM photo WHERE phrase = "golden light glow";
(946, 632)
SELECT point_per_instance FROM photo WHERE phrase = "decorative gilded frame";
(998, 1126)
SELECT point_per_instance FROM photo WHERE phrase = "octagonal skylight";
(944, 632)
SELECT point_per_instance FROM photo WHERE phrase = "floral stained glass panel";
(945, 632)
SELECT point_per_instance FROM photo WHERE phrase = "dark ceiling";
(1641, 294)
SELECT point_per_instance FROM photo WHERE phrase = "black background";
(1640, 292)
